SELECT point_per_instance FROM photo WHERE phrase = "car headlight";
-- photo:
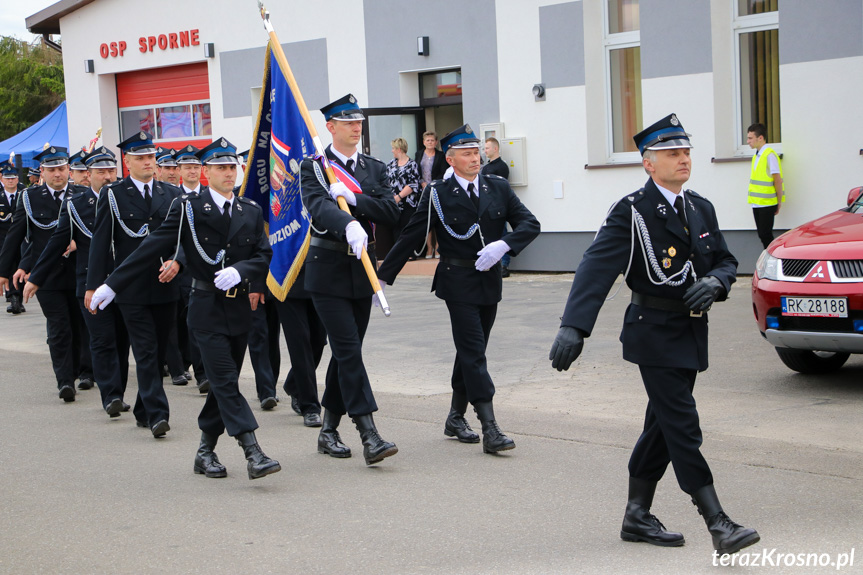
(767, 266)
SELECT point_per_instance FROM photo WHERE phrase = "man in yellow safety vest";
(766, 192)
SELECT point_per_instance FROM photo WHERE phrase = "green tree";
(31, 84)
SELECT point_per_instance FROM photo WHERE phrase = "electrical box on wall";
(513, 151)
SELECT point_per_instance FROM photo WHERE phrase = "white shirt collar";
(197, 189)
(464, 183)
(343, 158)
(140, 185)
(669, 195)
(222, 201)
(52, 191)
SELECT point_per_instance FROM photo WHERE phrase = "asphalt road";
(81, 493)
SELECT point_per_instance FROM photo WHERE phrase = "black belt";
(210, 286)
(661, 303)
(343, 247)
(458, 262)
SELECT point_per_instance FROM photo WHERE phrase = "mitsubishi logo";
(820, 273)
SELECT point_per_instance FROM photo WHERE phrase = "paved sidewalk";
(81, 493)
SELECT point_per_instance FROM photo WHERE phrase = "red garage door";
(171, 103)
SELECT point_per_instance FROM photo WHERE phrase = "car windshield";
(856, 207)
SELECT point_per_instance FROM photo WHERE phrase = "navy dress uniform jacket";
(335, 273)
(653, 337)
(498, 205)
(66, 230)
(133, 210)
(45, 211)
(6, 211)
(247, 249)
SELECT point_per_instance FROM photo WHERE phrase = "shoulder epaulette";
(695, 195)
(635, 197)
(372, 158)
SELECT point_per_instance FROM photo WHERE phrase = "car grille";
(848, 268)
(797, 268)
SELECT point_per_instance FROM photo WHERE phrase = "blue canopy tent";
(52, 129)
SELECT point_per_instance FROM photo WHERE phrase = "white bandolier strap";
(470, 232)
(191, 217)
(26, 199)
(143, 232)
(77, 221)
(639, 228)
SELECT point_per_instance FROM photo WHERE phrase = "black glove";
(701, 295)
(566, 348)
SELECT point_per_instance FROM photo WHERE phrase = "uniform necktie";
(474, 196)
(678, 205)
(12, 199)
(148, 196)
(226, 216)
(350, 166)
(57, 197)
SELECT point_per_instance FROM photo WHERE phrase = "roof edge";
(47, 21)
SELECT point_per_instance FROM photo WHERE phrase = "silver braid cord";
(143, 232)
(650, 257)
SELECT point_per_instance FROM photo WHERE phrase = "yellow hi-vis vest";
(761, 189)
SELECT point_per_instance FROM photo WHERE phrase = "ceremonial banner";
(272, 178)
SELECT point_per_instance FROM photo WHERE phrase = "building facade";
(563, 85)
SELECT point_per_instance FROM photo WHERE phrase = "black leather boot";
(16, 305)
(375, 449)
(456, 425)
(206, 461)
(259, 464)
(493, 439)
(639, 524)
(329, 440)
(728, 536)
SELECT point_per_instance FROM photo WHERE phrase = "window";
(756, 29)
(174, 122)
(623, 65)
(440, 88)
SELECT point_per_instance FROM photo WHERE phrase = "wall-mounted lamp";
(89, 67)
(422, 45)
(538, 92)
(209, 50)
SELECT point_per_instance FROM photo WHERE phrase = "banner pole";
(319, 147)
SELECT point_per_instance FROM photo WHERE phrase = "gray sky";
(13, 13)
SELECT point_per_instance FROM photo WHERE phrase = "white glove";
(357, 238)
(102, 297)
(490, 255)
(375, 299)
(227, 278)
(339, 189)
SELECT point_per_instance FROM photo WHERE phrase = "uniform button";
(229, 245)
(640, 317)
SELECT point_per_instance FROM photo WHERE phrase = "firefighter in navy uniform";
(78, 171)
(226, 248)
(336, 278)
(468, 212)
(677, 265)
(127, 211)
(190, 175)
(34, 220)
(8, 198)
(109, 341)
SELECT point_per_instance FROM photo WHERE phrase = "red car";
(807, 290)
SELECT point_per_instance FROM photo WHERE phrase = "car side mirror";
(854, 194)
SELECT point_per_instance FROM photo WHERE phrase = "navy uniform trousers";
(148, 307)
(669, 347)
(306, 337)
(64, 325)
(264, 350)
(108, 341)
(337, 281)
(471, 296)
(218, 321)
